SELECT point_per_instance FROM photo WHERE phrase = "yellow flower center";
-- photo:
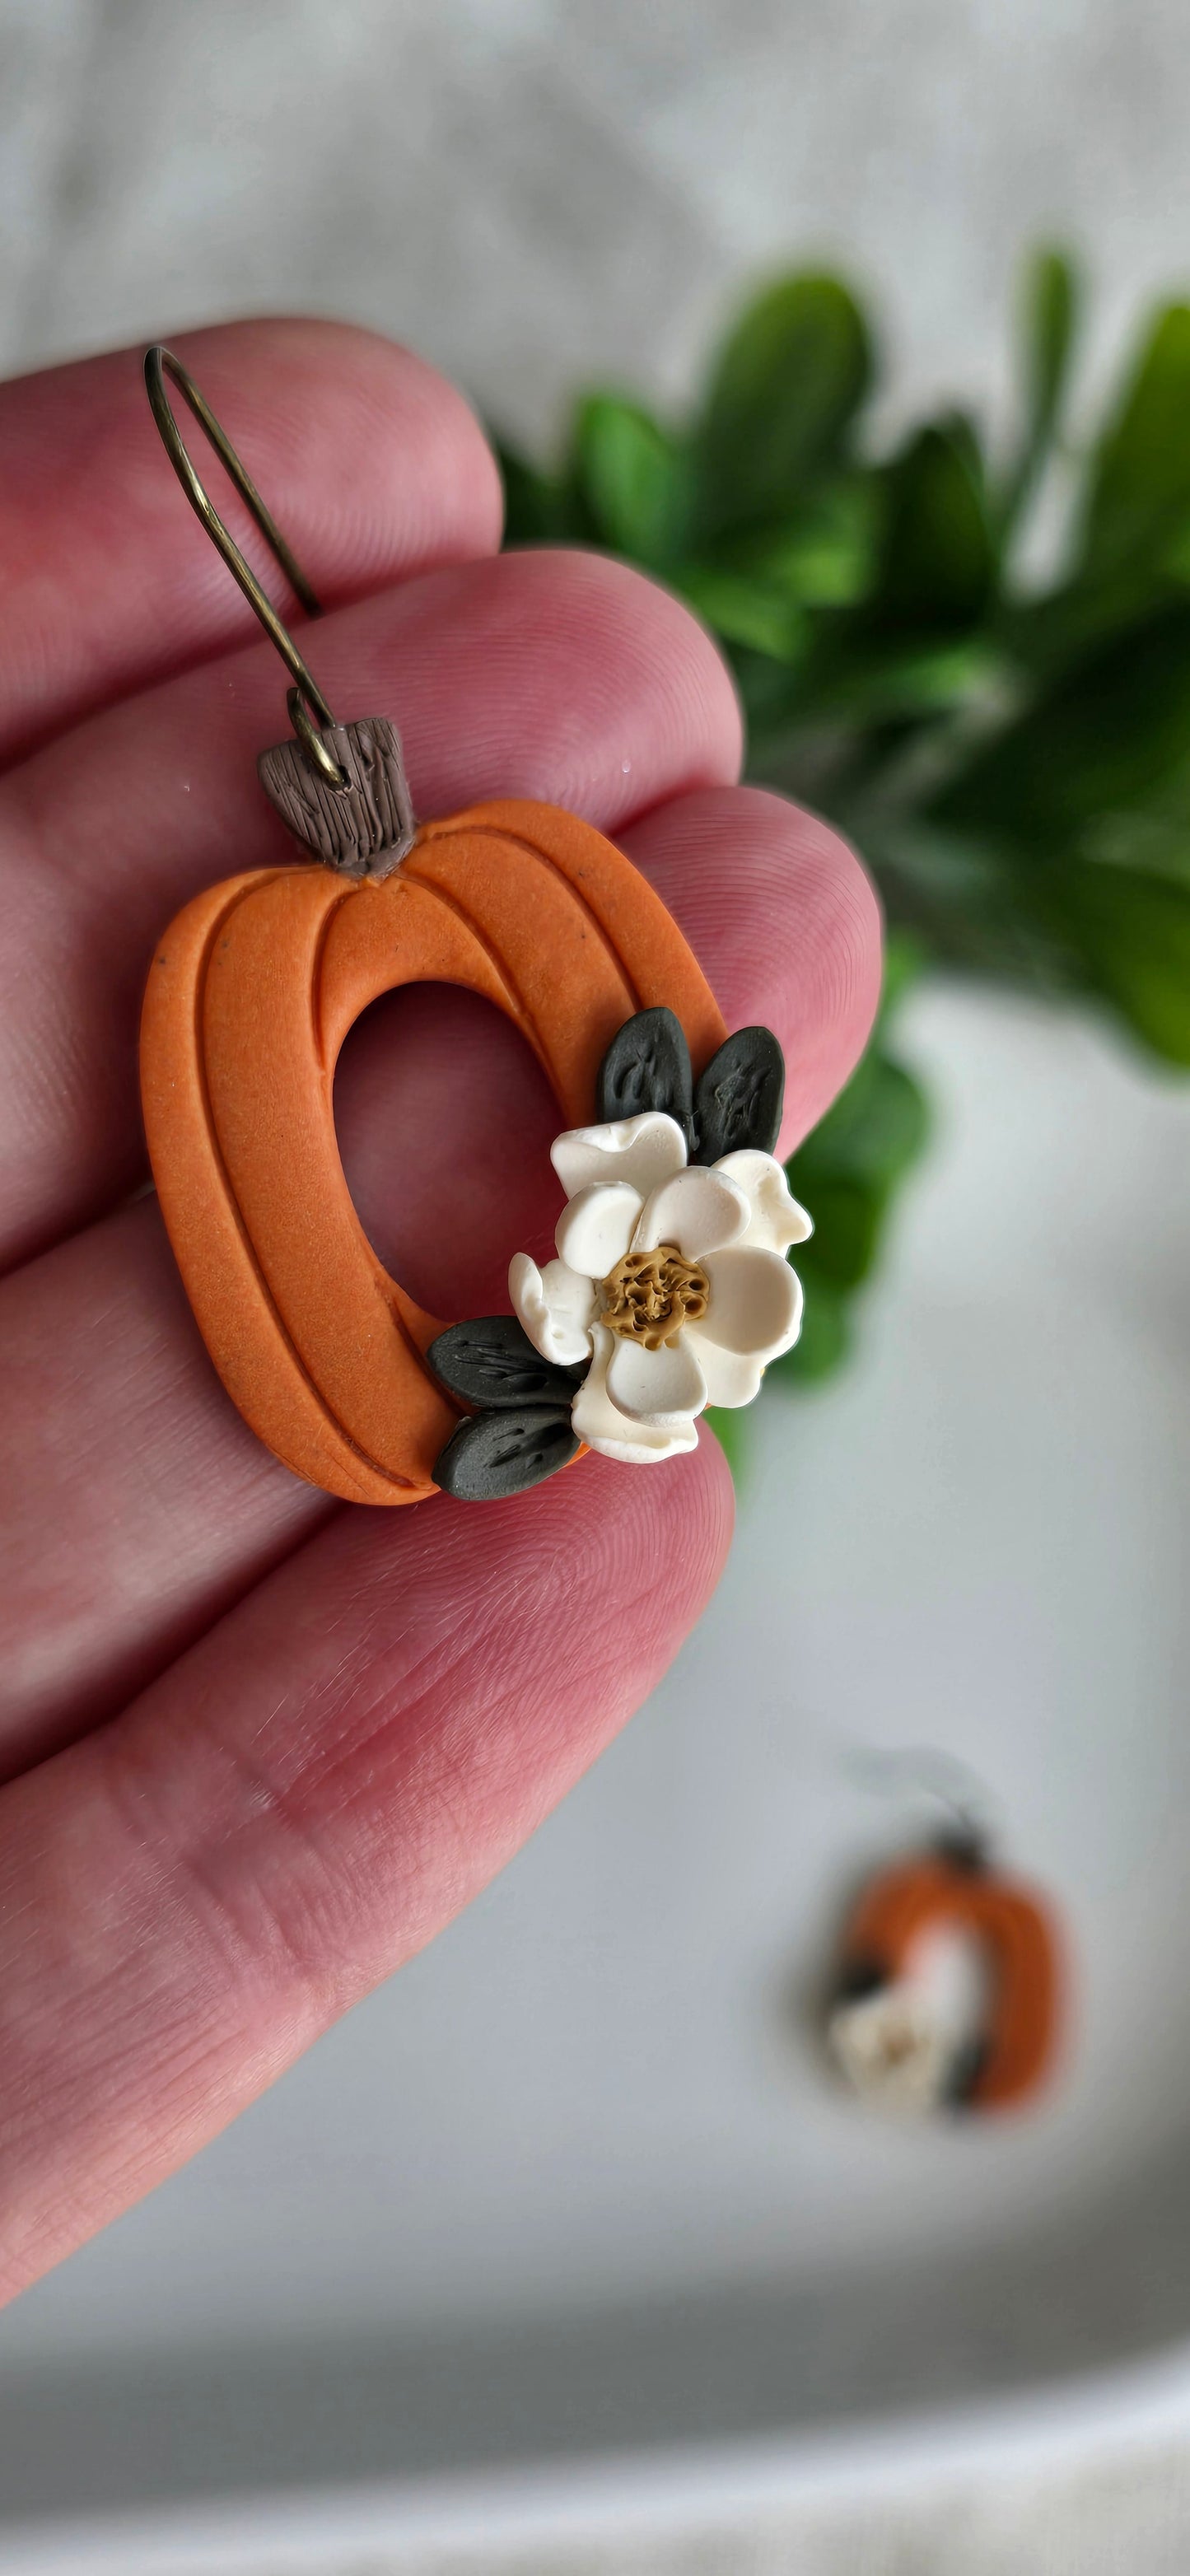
(650, 1295)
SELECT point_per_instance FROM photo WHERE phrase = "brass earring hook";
(306, 694)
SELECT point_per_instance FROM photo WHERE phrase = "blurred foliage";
(1010, 752)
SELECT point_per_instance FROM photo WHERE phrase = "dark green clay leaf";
(737, 1101)
(634, 477)
(498, 1454)
(782, 397)
(490, 1362)
(647, 1066)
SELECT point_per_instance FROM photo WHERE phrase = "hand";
(257, 1748)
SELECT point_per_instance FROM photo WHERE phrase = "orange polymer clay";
(251, 993)
(1017, 1937)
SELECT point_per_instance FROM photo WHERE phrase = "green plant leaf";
(848, 1216)
(824, 1341)
(538, 508)
(875, 1129)
(1133, 931)
(905, 960)
(1101, 736)
(938, 559)
(782, 398)
(824, 555)
(883, 682)
(731, 1425)
(745, 611)
(1138, 502)
(634, 478)
(1049, 317)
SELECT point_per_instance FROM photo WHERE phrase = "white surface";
(1087, 2488)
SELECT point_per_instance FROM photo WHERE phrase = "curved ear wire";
(160, 363)
(967, 1836)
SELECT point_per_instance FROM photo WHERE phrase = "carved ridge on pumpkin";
(518, 1011)
(242, 894)
(434, 832)
(317, 1014)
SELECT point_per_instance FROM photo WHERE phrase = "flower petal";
(891, 2051)
(642, 1151)
(599, 1422)
(755, 1303)
(595, 1227)
(663, 1388)
(697, 1211)
(776, 1220)
(732, 1377)
(555, 1305)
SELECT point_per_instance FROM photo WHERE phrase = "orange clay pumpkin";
(251, 993)
(1019, 1941)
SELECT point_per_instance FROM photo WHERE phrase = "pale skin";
(258, 1747)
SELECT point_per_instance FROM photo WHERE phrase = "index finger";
(373, 466)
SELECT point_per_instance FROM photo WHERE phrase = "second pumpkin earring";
(670, 1288)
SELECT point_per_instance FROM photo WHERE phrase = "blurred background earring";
(948, 1986)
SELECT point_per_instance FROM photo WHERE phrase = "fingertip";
(654, 675)
(784, 917)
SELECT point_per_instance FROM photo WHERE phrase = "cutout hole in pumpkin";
(444, 1120)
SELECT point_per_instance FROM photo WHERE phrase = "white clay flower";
(671, 1279)
(898, 2047)
(892, 2051)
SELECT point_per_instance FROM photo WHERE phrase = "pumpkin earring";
(947, 1989)
(670, 1288)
